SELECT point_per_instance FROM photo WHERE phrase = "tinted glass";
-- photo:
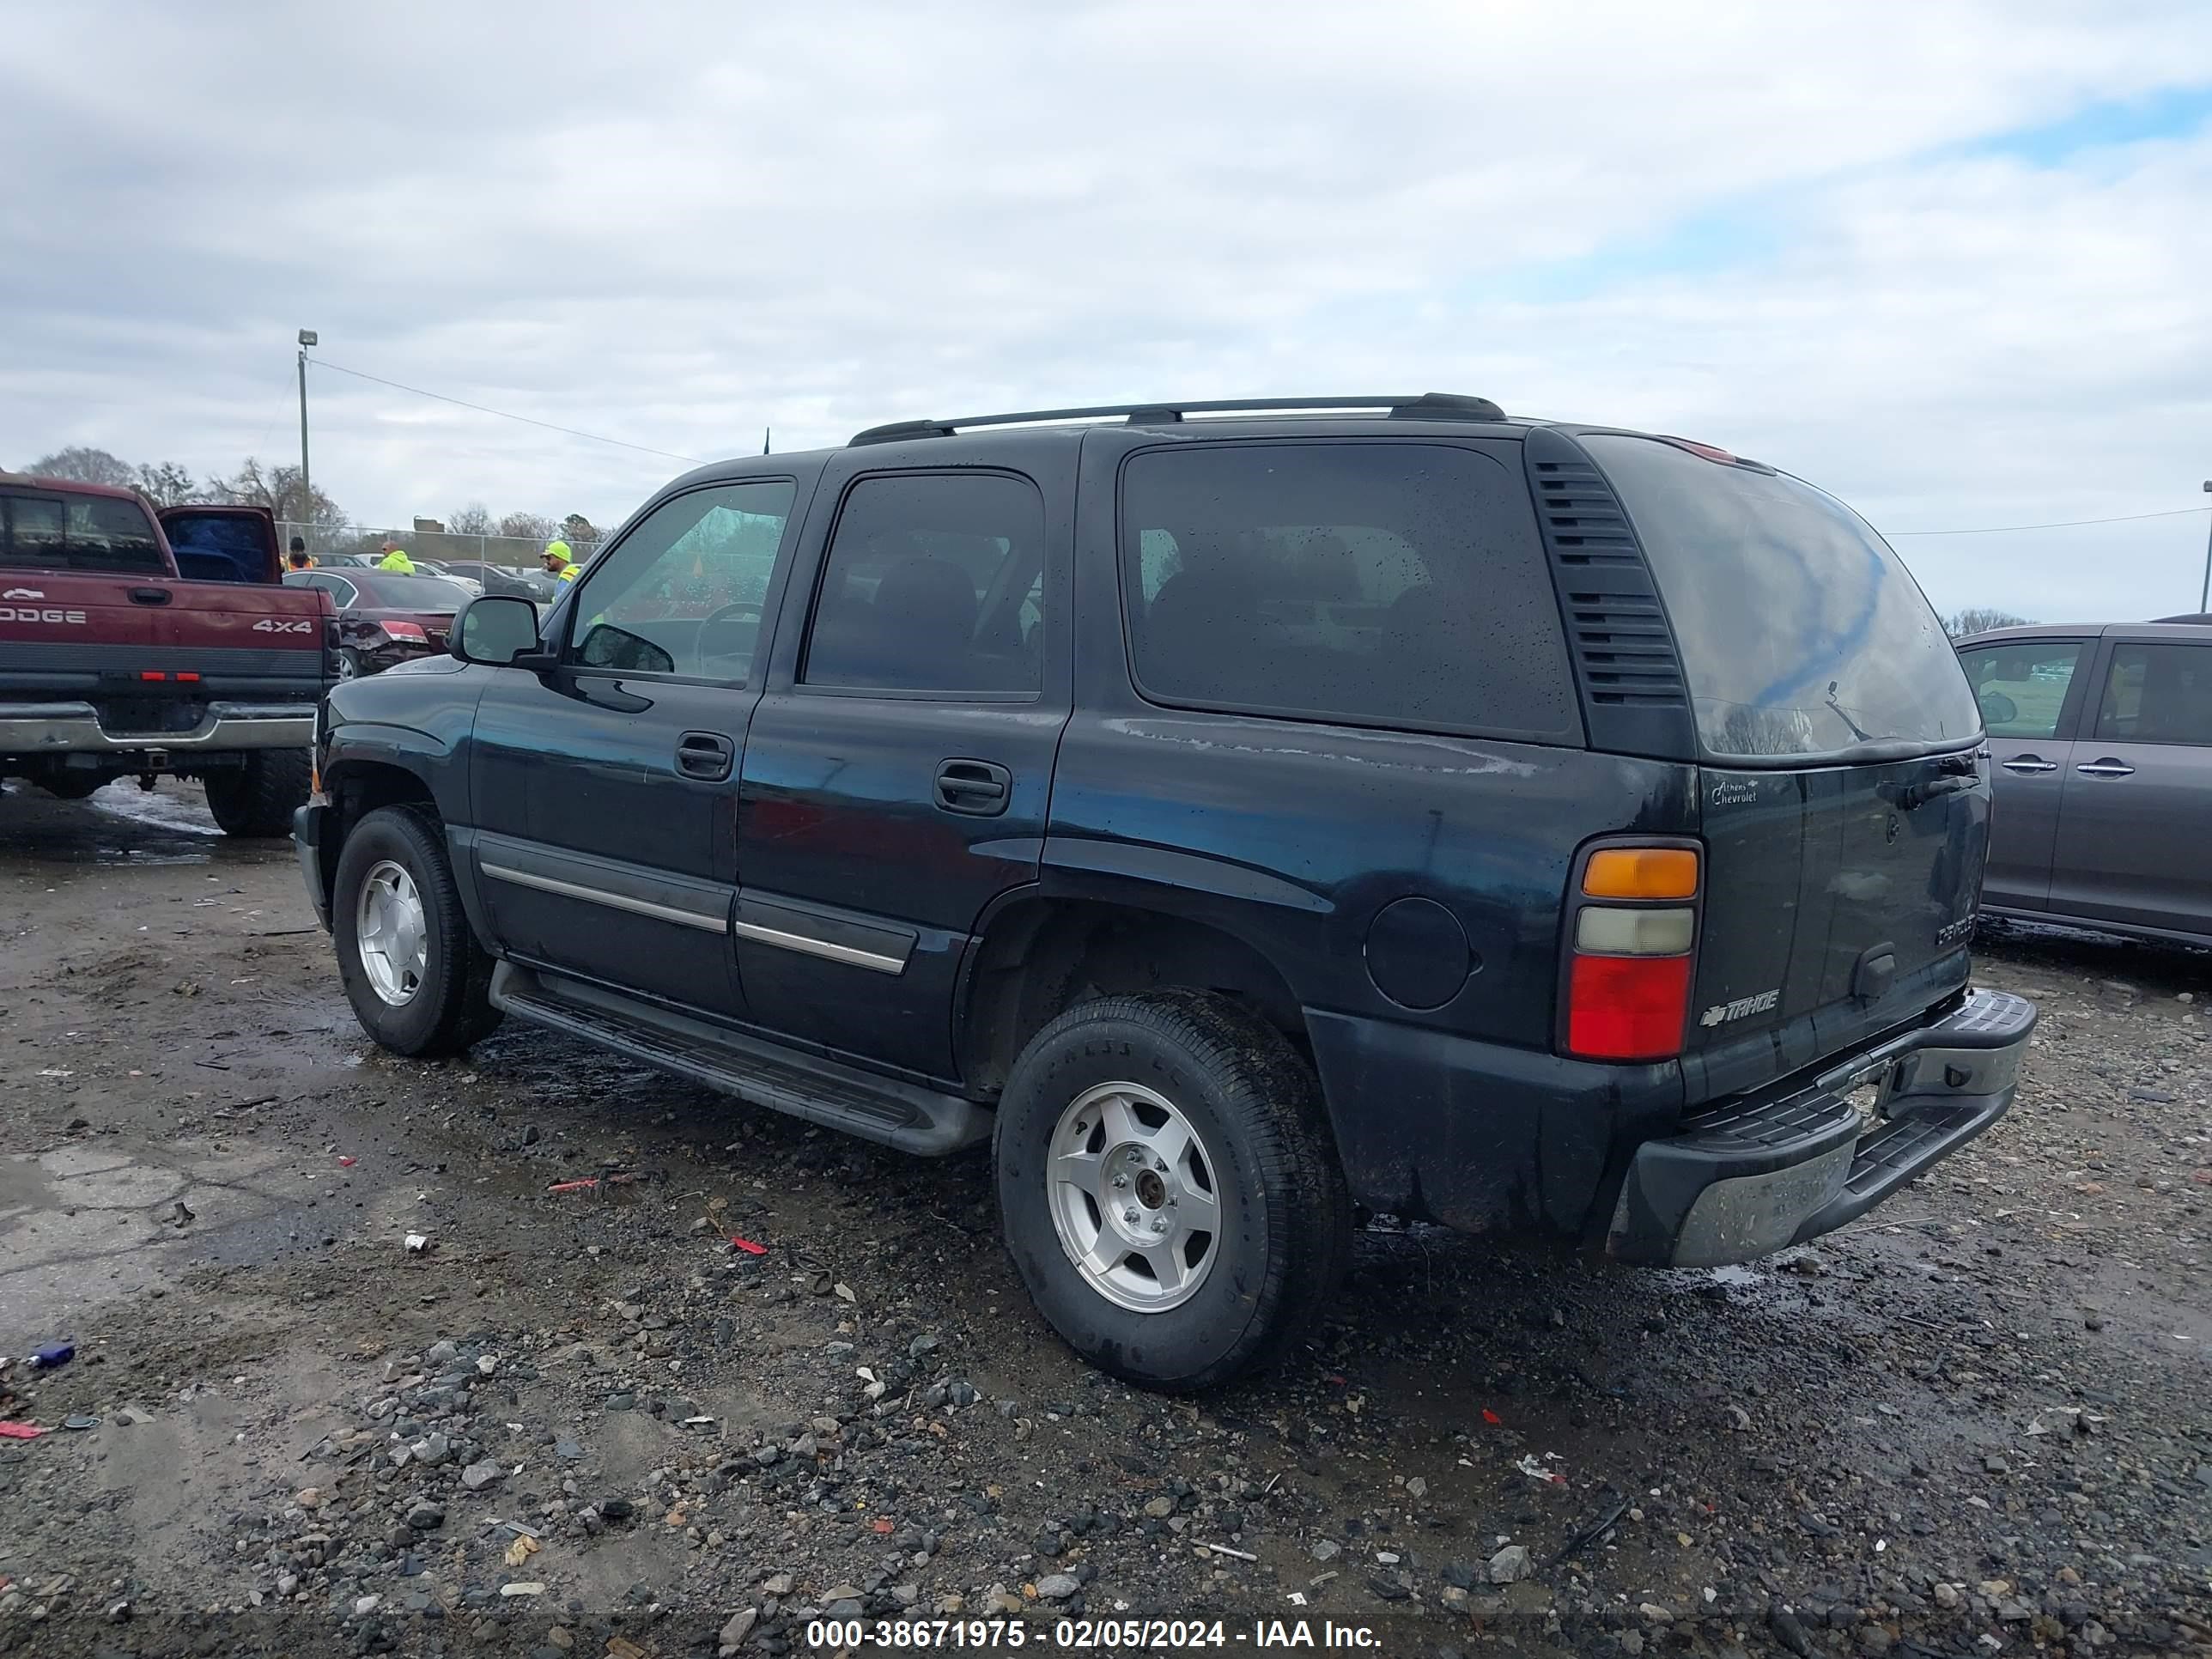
(34, 526)
(1393, 583)
(681, 593)
(396, 593)
(2021, 689)
(933, 583)
(79, 533)
(218, 546)
(1801, 633)
(2158, 694)
(107, 534)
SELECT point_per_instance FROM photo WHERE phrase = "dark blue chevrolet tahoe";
(1242, 814)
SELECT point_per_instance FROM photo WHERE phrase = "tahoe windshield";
(1801, 633)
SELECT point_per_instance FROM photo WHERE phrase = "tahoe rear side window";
(1801, 633)
(1391, 583)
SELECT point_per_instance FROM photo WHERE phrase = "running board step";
(906, 1115)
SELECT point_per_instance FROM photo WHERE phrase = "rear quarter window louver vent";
(1624, 653)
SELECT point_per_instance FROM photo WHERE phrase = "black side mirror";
(495, 629)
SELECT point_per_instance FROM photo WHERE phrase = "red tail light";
(407, 630)
(1627, 1007)
(1633, 935)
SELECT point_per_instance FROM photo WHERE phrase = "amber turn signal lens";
(1641, 872)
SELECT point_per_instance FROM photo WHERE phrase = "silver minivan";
(2102, 740)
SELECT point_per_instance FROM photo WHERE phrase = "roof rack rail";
(1427, 407)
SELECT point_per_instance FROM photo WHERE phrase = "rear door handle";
(979, 789)
(2029, 764)
(2106, 769)
(707, 756)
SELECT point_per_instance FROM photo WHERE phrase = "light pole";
(2204, 598)
(308, 337)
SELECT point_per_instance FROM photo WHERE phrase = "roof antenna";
(765, 431)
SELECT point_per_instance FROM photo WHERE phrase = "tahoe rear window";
(1801, 633)
(1384, 584)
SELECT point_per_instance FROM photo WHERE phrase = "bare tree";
(166, 484)
(81, 464)
(527, 526)
(474, 520)
(1979, 619)
(277, 488)
(579, 532)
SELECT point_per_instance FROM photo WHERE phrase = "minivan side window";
(682, 592)
(2158, 694)
(2021, 689)
(933, 583)
(1399, 584)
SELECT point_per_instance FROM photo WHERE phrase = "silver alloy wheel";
(391, 933)
(1134, 1197)
(347, 671)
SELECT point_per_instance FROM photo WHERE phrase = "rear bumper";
(308, 845)
(61, 728)
(1758, 1174)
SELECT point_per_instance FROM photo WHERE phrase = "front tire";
(1168, 1187)
(418, 981)
(258, 800)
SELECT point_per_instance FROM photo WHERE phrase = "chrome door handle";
(2029, 764)
(2106, 769)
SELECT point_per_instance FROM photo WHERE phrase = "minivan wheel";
(1168, 1188)
(418, 981)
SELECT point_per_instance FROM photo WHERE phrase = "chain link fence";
(441, 547)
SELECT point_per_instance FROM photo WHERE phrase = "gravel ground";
(587, 1422)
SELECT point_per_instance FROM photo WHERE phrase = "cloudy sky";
(1951, 261)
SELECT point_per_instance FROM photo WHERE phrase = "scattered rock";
(481, 1477)
(1511, 1564)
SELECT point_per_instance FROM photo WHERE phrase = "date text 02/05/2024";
(1084, 1634)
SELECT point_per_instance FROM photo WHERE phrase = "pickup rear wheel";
(259, 798)
(1168, 1187)
(419, 983)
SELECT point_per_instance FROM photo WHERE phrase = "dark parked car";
(2102, 736)
(385, 618)
(497, 577)
(1239, 823)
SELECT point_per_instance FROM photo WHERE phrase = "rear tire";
(1238, 1116)
(259, 798)
(350, 665)
(421, 985)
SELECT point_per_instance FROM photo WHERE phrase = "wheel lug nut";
(1159, 1224)
(1129, 1215)
(1120, 1181)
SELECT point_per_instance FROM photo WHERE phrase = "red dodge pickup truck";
(135, 644)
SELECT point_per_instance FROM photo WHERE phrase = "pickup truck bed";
(130, 671)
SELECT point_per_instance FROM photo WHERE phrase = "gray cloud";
(674, 224)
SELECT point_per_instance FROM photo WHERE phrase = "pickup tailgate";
(243, 642)
(61, 634)
(150, 653)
